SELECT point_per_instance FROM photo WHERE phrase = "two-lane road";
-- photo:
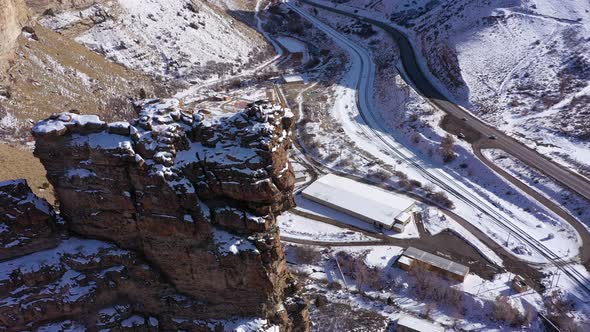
(530, 157)
(371, 130)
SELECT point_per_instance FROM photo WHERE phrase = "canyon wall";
(193, 196)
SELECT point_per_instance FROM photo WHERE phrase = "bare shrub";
(400, 175)
(442, 199)
(416, 183)
(382, 175)
(503, 310)
(307, 254)
(430, 288)
(559, 310)
(334, 285)
(356, 268)
(320, 301)
(118, 108)
(332, 157)
(448, 149)
(416, 138)
(309, 141)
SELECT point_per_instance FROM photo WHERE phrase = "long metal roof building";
(365, 202)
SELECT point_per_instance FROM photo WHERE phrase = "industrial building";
(365, 202)
(412, 324)
(412, 257)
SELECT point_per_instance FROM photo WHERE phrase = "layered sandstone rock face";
(196, 196)
(13, 16)
(27, 222)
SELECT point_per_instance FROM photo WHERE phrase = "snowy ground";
(435, 221)
(572, 202)
(295, 226)
(472, 311)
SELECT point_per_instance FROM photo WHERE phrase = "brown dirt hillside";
(54, 74)
(19, 163)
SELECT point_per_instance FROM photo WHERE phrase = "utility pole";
(342, 274)
(552, 278)
(508, 239)
(558, 276)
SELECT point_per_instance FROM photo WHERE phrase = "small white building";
(412, 324)
(293, 78)
(362, 201)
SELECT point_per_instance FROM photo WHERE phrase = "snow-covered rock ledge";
(197, 195)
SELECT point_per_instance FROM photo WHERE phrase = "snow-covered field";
(295, 226)
(393, 292)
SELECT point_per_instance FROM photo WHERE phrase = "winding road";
(374, 132)
(421, 82)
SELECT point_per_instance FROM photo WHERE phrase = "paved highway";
(532, 158)
(434, 175)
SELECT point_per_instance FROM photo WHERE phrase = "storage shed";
(445, 267)
(412, 324)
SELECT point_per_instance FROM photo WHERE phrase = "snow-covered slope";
(170, 38)
(522, 65)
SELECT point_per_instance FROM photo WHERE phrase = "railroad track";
(437, 177)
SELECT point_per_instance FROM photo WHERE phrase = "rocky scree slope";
(188, 40)
(190, 203)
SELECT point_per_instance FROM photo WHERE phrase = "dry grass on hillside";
(55, 74)
(18, 163)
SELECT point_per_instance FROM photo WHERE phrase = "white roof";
(419, 324)
(405, 260)
(403, 216)
(293, 78)
(358, 199)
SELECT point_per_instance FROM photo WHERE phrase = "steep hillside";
(179, 39)
(13, 16)
(52, 73)
(523, 66)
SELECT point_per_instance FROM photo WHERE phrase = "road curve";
(530, 157)
(466, 196)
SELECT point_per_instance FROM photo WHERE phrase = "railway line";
(373, 129)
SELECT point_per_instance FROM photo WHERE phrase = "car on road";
(464, 119)
(461, 136)
(492, 137)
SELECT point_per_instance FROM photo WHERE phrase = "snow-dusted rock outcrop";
(196, 196)
(27, 222)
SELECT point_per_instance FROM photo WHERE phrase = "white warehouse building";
(362, 201)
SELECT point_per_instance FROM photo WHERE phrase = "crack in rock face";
(195, 196)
